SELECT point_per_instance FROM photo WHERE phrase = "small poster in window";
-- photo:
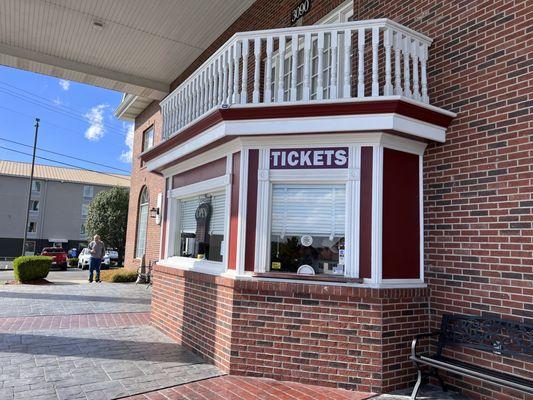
(276, 265)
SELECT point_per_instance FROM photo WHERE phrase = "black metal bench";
(493, 335)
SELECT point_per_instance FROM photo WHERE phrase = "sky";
(75, 119)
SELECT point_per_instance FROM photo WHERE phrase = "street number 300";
(300, 10)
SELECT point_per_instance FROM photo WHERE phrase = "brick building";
(388, 155)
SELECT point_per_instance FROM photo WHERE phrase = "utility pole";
(30, 186)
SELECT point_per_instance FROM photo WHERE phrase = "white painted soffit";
(140, 49)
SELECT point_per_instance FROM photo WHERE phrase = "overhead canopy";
(133, 46)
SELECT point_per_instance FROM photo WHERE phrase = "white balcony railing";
(304, 64)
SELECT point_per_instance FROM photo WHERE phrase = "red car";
(59, 256)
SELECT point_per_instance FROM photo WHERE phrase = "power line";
(53, 108)
(44, 122)
(67, 164)
(64, 155)
(52, 102)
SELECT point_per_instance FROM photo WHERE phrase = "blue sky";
(76, 119)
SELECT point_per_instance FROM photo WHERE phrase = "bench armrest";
(417, 338)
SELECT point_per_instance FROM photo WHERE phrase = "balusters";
(387, 88)
(294, 67)
(347, 91)
(201, 82)
(281, 69)
(267, 96)
(397, 64)
(244, 87)
(414, 55)
(423, 72)
(406, 48)
(375, 43)
(320, 67)
(257, 61)
(307, 67)
(236, 65)
(361, 62)
(333, 76)
(231, 54)
(225, 78)
(220, 79)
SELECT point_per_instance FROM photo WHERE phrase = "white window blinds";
(188, 209)
(308, 209)
(218, 204)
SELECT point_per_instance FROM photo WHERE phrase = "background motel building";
(60, 199)
(383, 145)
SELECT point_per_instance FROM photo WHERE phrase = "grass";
(119, 275)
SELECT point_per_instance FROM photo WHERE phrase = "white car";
(110, 258)
(84, 258)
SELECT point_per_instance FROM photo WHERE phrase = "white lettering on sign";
(331, 157)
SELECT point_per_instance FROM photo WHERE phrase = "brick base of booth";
(335, 336)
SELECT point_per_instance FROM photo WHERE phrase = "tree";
(108, 217)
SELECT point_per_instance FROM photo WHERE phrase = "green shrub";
(72, 262)
(119, 275)
(29, 268)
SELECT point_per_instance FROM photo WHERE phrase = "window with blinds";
(209, 245)
(308, 227)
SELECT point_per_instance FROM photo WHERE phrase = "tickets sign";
(316, 158)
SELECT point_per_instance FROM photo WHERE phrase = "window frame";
(34, 185)
(85, 189)
(151, 130)
(84, 209)
(143, 191)
(34, 232)
(221, 183)
(32, 209)
(349, 177)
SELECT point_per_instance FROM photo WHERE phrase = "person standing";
(97, 250)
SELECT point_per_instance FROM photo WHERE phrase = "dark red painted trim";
(210, 170)
(251, 209)
(210, 146)
(164, 221)
(234, 211)
(401, 217)
(299, 111)
(365, 213)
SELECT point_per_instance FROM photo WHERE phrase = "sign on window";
(327, 157)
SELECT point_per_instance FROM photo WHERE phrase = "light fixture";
(154, 212)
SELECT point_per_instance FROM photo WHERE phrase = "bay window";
(201, 222)
(308, 228)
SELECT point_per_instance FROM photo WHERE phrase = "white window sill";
(193, 264)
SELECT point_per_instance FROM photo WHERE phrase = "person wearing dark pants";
(97, 250)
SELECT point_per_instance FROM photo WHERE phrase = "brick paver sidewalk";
(247, 388)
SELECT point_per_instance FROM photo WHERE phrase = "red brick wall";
(478, 185)
(196, 311)
(324, 335)
(140, 179)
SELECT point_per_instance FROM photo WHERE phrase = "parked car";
(83, 259)
(110, 259)
(59, 256)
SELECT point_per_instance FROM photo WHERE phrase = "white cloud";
(65, 85)
(57, 101)
(95, 116)
(125, 156)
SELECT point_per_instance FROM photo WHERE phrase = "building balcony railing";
(359, 59)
